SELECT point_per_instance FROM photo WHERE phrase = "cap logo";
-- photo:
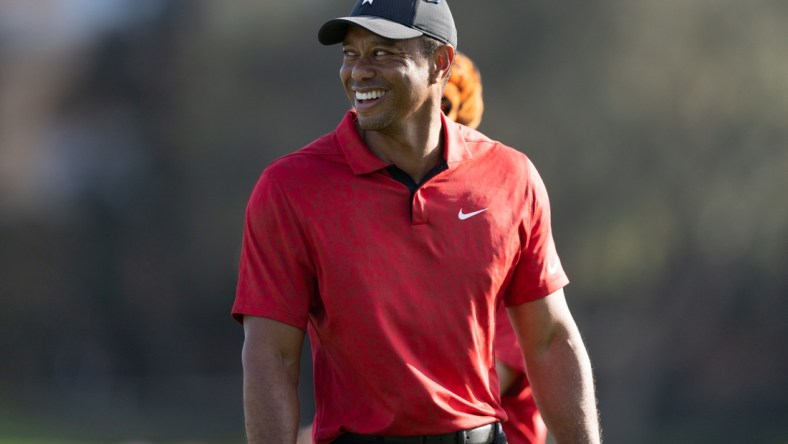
(437, 2)
(364, 2)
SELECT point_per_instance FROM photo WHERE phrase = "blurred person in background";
(394, 241)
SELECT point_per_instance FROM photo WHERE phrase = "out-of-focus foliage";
(132, 132)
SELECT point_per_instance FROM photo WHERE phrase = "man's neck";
(415, 149)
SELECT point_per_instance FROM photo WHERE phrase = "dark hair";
(430, 45)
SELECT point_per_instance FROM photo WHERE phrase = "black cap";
(394, 19)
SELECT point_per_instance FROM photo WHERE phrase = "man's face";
(386, 81)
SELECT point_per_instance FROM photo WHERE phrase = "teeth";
(369, 95)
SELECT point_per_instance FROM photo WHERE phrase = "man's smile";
(366, 99)
(370, 95)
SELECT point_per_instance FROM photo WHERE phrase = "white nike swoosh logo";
(464, 216)
(552, 267)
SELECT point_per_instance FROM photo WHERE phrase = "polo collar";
(363, 161)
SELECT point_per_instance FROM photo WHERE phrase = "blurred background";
(131, 133)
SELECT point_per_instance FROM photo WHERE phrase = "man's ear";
(443, 60)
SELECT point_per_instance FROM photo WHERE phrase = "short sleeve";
(538, 272)
(276, 277)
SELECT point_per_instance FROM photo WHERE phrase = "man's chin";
(369, 123)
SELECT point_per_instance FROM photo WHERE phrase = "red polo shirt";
(399, 289)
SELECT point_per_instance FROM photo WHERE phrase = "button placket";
(419, 208)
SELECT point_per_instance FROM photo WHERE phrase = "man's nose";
(362, 69)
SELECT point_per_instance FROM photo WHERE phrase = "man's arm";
(558, 368)
(271, 360)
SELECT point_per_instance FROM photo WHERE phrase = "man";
(462, 102)
(393, 240)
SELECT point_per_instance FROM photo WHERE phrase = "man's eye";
(380, 52)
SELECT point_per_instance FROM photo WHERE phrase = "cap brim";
(333, 31)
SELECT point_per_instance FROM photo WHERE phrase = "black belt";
(485, 434)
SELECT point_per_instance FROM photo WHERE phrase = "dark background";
(131, 133)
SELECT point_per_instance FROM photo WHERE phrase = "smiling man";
(392, 241)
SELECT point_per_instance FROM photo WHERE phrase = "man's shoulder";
(317, 157)
(480, 145)
(296, 176)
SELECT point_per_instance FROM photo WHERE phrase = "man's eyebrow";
(388, 43)
(385, 42)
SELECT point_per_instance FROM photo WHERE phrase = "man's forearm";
(563, 387)
(270, 399)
